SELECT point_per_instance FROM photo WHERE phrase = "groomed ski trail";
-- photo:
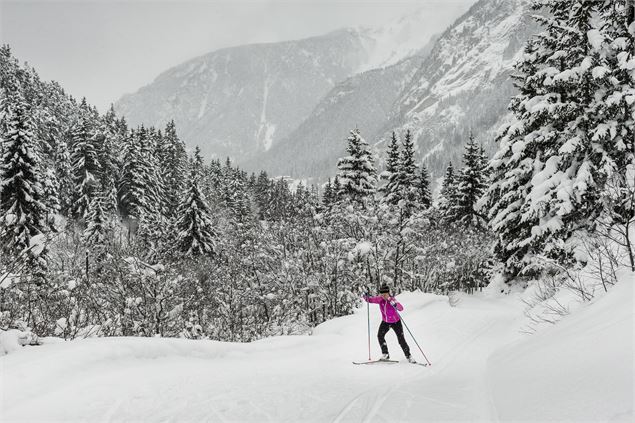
(292, 378)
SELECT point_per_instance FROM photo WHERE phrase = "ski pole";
(413, 337)
(368, 319)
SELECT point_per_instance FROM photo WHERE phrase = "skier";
(389, 319)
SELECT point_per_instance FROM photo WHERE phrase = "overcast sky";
(102, 49)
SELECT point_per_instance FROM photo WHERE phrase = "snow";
(587, 355)
(266, 129)
(483, 369)
(595, 39)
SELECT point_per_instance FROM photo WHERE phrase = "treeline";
(112, 230)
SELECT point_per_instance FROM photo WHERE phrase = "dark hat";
(384, 289)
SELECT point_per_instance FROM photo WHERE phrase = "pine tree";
(97, 225)
(63, 170)
(173, 161)
(424, 197)
(327, 196)
(337, 189)
(554, 160)
(85, 166)
(22, 212)
(261, 194)
(139, 185)
(109, 148)
(196, 234)
(356, 171)
(407, 179)
(50, 196)
(470, 186)
(391, 174)
(448, 188)
(197, 161)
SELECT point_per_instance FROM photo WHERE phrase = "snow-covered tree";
(471, 184)
(196, 233)
(138, 189)
(424, 196)
(391, 174)
(85, 166)
(569, 135)
(356, 172)
(98, 226)
(407, 170)
(173, 161)
(327, 195)
(448, 188)
(22, 211)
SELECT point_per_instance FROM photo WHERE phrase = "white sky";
(102, 49)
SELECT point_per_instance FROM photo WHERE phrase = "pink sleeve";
(398, 305)
(374, 300)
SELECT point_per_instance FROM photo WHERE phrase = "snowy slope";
(587, 355)
(311, 378)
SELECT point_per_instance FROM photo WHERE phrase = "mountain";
(363, 100)
(464, 84)
(237, 101)
(242, 101)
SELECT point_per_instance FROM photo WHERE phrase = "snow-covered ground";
(483, 369)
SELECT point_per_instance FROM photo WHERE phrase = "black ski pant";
(398, 328)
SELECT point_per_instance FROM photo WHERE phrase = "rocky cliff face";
(464, 84)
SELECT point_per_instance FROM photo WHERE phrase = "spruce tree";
(174, 163)
(553, 161)
(448, 187)
(407, 179)
(327, 196)
(424, 197)
(97, 225)
(195, 231)
(470, 186)
(356, 171)
(139, 190)
(391, 174)
(22, 211)
(261, 194)
(85, 166)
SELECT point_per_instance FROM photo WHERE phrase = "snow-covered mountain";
(364, 100)
(237, 101)
(462, 84)
(241, 101)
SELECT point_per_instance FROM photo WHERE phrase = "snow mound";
(578, 370)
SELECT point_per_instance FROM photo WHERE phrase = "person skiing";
(389, 320)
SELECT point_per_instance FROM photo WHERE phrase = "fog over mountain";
(242, 101)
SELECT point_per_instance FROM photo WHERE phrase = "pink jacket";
(388, 313)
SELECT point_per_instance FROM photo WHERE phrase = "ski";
(375, 362)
